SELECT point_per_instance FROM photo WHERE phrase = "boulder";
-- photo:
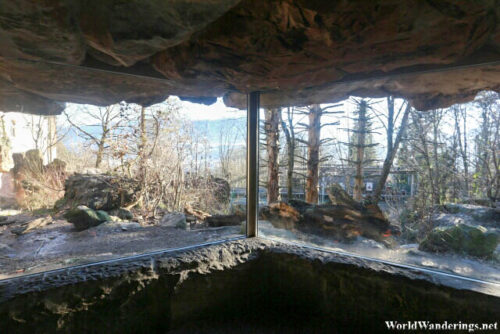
(83, 217)
(174, 219)
(224, 220)
(100, 191)
(122, 213)
(461, 239)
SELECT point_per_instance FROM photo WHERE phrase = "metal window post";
(253, 101)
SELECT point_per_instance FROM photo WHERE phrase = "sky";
(217, 116)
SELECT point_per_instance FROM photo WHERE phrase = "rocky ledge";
(294, 52)
(229, 279)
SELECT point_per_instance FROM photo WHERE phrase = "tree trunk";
(290, 144)
(425, 152)
(391, 150)
(360, 151)
(314, 133)
(437, 177)
(100, 150)
(271, 128)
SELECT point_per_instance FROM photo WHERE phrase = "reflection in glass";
(380, 179)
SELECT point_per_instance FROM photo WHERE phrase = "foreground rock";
(83, 217)
(461, 239)
(100, 191)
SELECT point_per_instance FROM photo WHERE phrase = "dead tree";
(271, 130)
(392, 146)
(106, 119)
(458, 113)
(289, 130)
(314, 142)
(361, 129)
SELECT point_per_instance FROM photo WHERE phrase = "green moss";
(464, 239)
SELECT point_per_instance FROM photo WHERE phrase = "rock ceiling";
(296, 52)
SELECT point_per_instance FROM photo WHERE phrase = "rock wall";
(295, 52)
(242, 286)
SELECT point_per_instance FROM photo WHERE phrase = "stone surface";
(122, 213)
(462, 239)
(99, 191)
(254, 285)
(295, 52)
(174, 219)
(83, 217)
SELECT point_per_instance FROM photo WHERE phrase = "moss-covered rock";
(462, 239)
(83, 217)
(122, 214)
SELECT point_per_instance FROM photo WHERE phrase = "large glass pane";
(377, 178)
(101, 182)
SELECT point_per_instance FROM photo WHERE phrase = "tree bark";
(271, 128)
(290, 145)
(392, 149)
(360, 151)
(314, 142)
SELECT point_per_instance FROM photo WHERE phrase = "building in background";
(20, 133)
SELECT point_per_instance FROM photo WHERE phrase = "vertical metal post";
(253, 102)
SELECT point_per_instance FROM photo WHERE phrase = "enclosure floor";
(409, 254)
(59, 245)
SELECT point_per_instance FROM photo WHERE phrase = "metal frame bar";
(253, 102)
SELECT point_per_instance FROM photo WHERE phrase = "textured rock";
(83, 217)
(461, 239)
(245, 286)
(295, 52)
(99, 191)
(175, 219)
(122, 213)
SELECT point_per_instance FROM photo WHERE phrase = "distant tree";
(98, 127)
(288, 127)
(487, 142)
(359, 146)
(392, 145)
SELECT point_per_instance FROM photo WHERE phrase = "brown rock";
(295, 52)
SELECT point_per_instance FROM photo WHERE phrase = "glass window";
(377, 178)
(101, 182)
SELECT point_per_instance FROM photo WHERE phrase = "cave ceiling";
(295, 52)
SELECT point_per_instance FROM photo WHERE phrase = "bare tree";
(289, 129)
(314, 114)
(392, 145)
(105, 120)
(271, 129)
(459, 114)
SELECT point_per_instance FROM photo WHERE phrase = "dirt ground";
(59, 245)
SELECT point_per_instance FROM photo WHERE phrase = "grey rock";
(174, 219)
(83, 217)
